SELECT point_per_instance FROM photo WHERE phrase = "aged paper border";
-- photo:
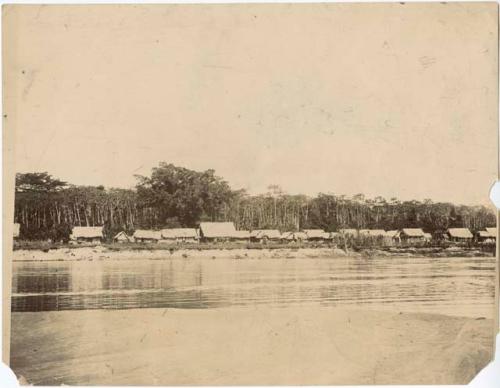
(8, 138)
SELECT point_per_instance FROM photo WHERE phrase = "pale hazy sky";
(392, 100)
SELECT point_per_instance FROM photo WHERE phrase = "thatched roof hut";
(123, 237)
(218, 230)
(241, 235)
(287, 236)
(87, 233)
(392, 233)
(373, 232)
(255, 233)
(412, 232)
(492, 231)
(270, 234)
(179, 233)
(459, 234)
(487, 236)
(147, 235)
(16, 229)
(349, 232)
(300, 236)
(483, 234)
(316, 234)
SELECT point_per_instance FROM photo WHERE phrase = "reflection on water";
(459, 286)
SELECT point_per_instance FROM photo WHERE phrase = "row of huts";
(417, 235)
(226, 231)
(207, 231)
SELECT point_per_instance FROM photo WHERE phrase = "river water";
(454, 286)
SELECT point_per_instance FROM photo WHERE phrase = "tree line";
(173, 196)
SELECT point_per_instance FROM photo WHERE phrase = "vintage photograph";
(250, 194)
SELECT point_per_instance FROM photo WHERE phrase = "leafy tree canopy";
(177, 192)
(38, 182)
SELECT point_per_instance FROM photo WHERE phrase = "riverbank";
(247, 346)
(105, 253)
(149, 252)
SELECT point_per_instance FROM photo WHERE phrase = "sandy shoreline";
(103, 253)
(242, 346)
(111, 253)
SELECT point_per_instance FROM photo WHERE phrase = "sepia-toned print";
(250, 194)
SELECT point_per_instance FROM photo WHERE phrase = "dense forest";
(172, 196)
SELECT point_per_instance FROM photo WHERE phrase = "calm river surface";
(456, 286)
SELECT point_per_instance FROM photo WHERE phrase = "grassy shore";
(241, 346)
